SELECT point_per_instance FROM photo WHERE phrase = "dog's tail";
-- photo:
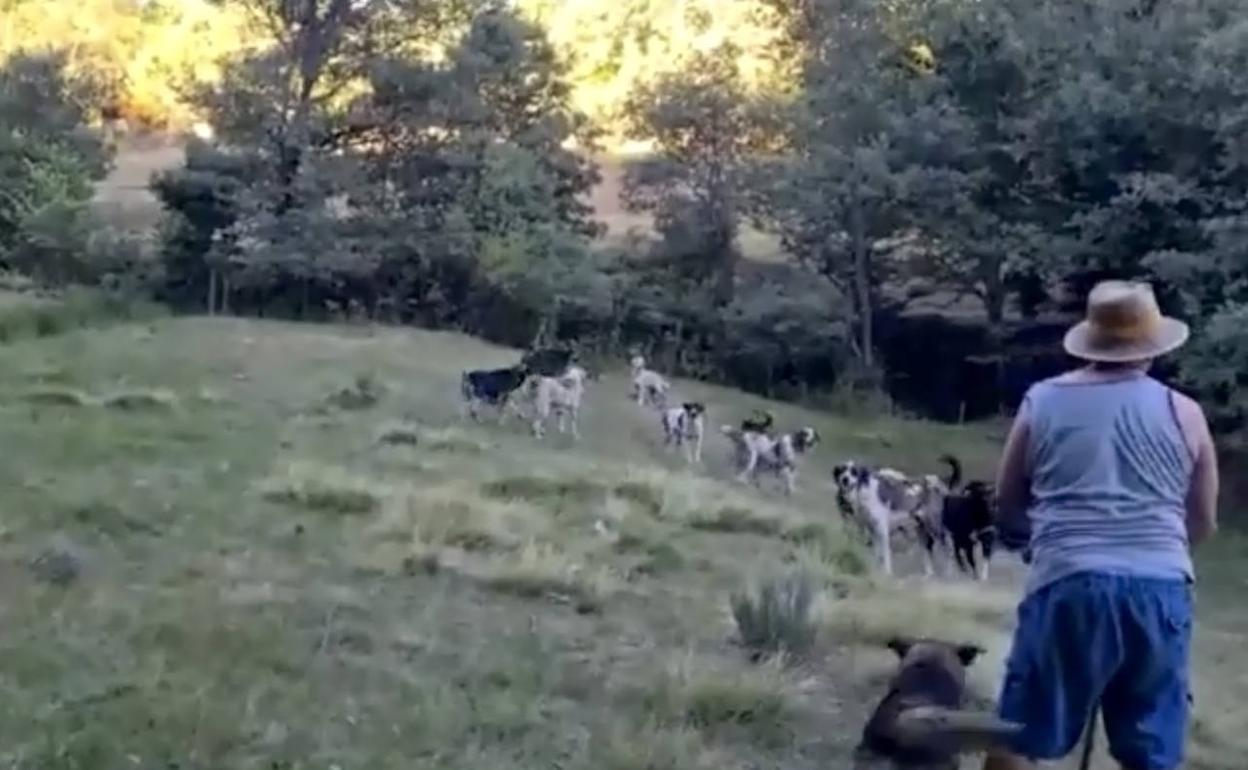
(955, 471)
(968, 730)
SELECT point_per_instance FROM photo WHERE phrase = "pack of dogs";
(950, 519)
(920, 723)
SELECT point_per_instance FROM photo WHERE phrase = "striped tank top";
(1110, 472)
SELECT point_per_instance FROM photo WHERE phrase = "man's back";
(1110, 473)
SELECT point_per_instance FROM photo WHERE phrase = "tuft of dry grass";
(754, 701)
(55, 395)
(542, 570)
(738, 519)
(457, 516)
(135, 400)
(323, 488)
(775, 616)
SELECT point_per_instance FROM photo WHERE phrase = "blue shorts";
(1092, 637)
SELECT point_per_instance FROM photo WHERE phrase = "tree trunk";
(212, 292)
(862, 282)
(994, 294)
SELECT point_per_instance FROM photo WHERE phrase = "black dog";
(920, 722)
(491, 386)
(967, 517)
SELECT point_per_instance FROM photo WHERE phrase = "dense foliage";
(428, 162)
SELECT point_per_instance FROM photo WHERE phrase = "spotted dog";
(776, 455)
(883, 502)
(684, 426)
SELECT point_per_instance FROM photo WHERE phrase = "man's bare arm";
(1013, 475)
(1202, 495)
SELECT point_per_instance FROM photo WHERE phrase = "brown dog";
(920, 723)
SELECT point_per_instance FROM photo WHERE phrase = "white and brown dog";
(649, 387)
(779, 455)
(883, 502)
(684, 426)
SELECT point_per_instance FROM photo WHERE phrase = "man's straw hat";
(1124, 324)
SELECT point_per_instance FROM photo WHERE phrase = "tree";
(48, 161)
(706, 130)
(841, 190)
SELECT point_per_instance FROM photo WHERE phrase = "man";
(1117, 474)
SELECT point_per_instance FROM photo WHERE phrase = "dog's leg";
(790, 479)
(697, 449)
(575, 414)
(883, 541)
(751, 460)
(929, 545)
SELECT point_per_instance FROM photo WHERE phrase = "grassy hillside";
(251, 545)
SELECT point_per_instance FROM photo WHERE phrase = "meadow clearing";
(246, 544)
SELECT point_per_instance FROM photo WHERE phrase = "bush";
(776, 617)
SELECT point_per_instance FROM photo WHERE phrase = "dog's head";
(954, 658)
(694, 409)
(918, 713)
(843, 475)
(637, 363)
(804, 439)
(978, 490)
(850, 475)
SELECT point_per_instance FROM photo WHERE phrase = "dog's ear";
(900, 646)
(967, 653)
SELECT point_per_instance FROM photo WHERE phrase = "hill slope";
(240, 544)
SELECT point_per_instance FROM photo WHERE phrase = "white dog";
(649, 387)
(883, 502)
(779, 455)
(560, 396)
(684, 426)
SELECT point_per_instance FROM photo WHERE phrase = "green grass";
(286, 551)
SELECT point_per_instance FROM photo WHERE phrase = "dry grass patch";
(451, 439)
(754, 701)
(651, 747)
(874, 612)
(550, 492)
(457, 516)
(738, 519)
(134, 400)
(542, 570)
(53, 395)
(323, 488)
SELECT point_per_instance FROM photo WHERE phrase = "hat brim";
(1171, 334)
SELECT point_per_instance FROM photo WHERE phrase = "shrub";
(776, 617)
